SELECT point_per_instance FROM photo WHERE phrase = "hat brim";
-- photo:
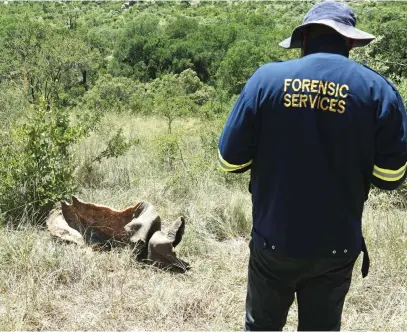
(360, 38)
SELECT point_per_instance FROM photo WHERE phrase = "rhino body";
(138, 226)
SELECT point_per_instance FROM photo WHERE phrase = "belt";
(365, 261)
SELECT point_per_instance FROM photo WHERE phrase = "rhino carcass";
(138, 225)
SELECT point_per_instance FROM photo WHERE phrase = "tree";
(170, 99)
(113, 94)
(50, 61)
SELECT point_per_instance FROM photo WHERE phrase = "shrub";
(114, 94)
(35, 166)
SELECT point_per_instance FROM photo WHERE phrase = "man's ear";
(304, 40)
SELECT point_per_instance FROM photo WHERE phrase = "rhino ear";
(176, 231)
(76, 201)
(79, 205)
(69, 213)
(65, 204)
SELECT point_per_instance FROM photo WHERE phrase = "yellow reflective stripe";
(386, 178)
(227, 167)
(389, 174)
(224, 169)
(224, 162)
(390, 171)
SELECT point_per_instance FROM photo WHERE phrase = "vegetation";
(121, 104)
(50, 285)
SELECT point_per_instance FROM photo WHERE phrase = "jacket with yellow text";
(315, 133)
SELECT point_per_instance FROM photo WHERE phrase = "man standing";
(316, 132)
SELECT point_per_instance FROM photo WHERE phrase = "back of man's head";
(314, 31)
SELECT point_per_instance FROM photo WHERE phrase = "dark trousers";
(320, 285)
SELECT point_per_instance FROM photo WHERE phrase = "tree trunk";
(84, 79)
(169, 124)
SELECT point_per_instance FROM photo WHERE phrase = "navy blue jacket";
(315, 132)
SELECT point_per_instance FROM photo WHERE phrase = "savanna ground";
(49, 285)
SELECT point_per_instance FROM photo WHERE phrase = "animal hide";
(138, 226)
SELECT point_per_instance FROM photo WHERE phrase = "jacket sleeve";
(238, 139)
(389, 169)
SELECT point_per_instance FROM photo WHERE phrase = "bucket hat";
(335, 15)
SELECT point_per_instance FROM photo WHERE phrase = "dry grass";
(46, 284)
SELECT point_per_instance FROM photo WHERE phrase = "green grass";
(46, 284)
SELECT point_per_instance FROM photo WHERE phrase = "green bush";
(114, 94)
(175, 96)
(35, 165)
